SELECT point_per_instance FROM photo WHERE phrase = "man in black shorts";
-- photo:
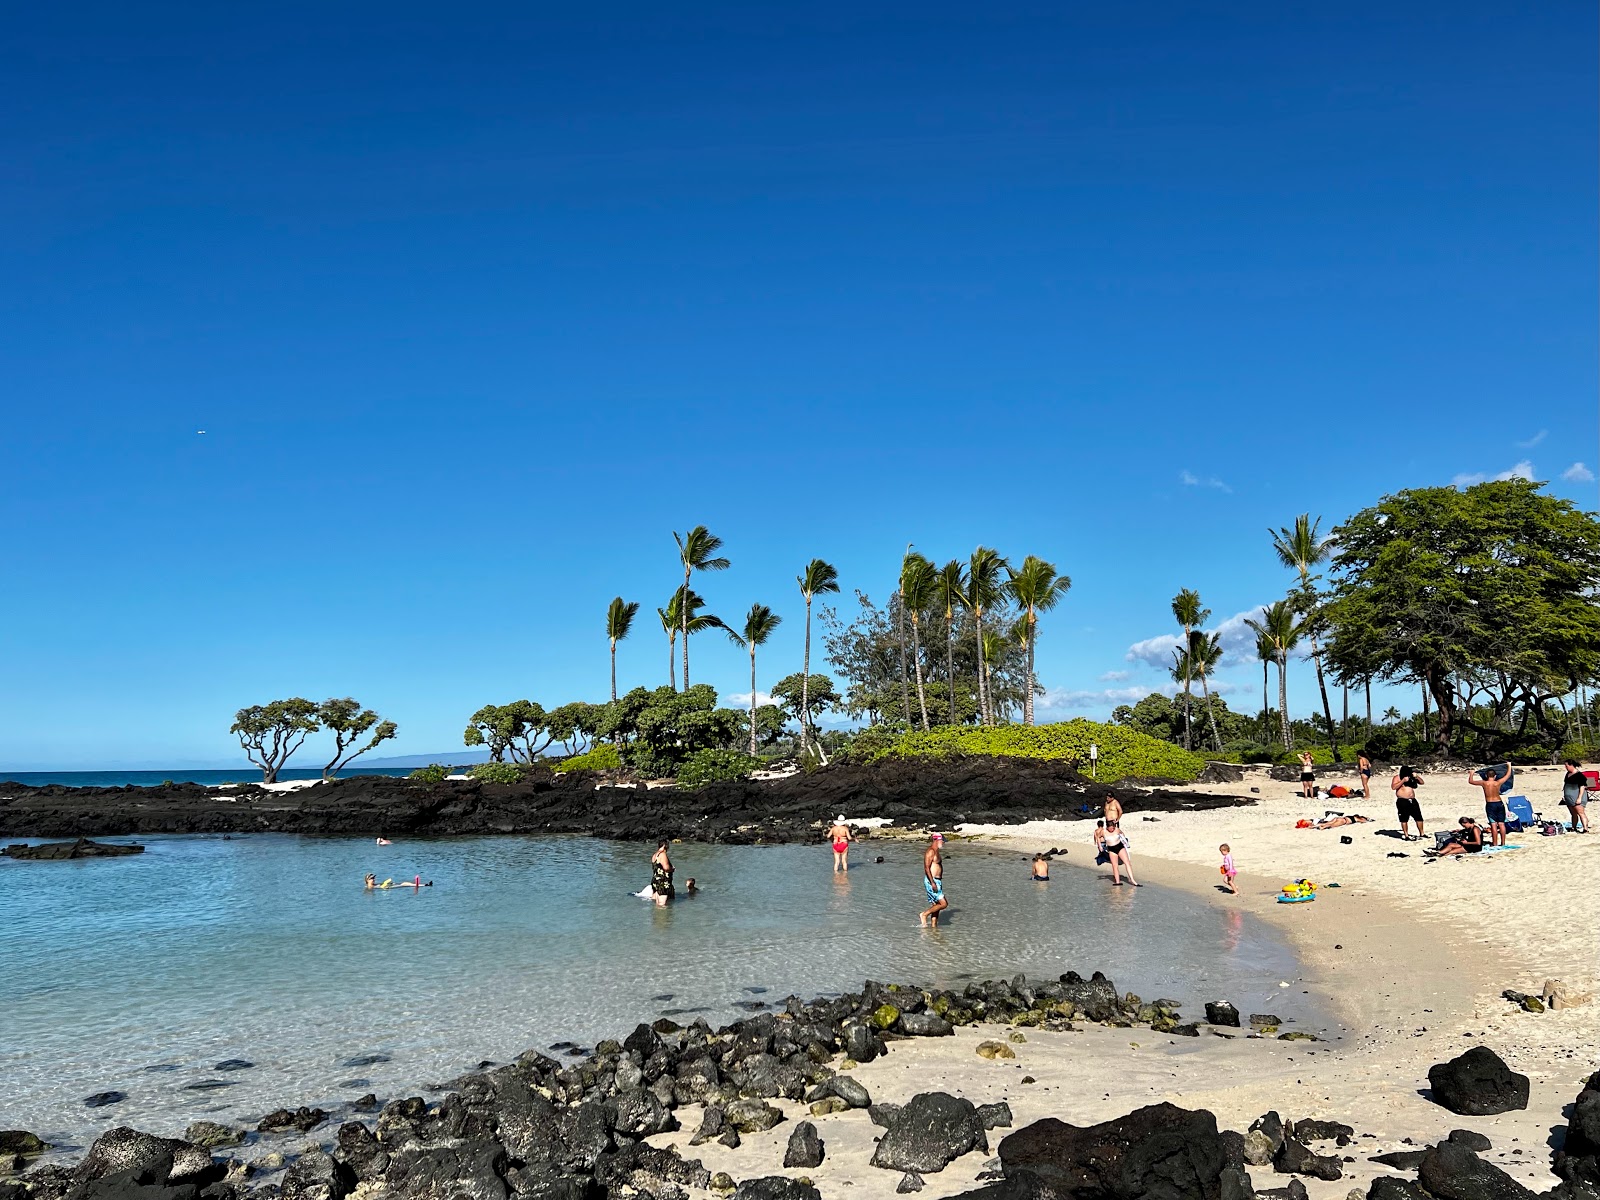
(1405, 785)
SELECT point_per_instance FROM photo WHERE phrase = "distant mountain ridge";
(449, 758)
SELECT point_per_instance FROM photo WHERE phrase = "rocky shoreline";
(919, 793)
(540, 1129)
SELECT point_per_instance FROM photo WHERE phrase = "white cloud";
(1578, 473)
(1534, 440)
(1521, 470)
(1064, 702)
(1190, 479)
(1238, 639)
(1115, 676)
(742, 699)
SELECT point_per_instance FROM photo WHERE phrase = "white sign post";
(1094, 760)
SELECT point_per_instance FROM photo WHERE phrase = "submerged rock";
(61, 851)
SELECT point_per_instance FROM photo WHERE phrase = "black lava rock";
(1160, 1152)
(930, 1132)
(1220, 1012)
(805, 1147)
(1452, 1172)
(1477, 1084)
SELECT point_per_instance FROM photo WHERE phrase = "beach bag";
(1552, 829)
(1339, 790)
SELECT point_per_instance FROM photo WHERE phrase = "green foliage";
(819, 694)
(270, 733)
(1159, 716)
(603, 757)
(513, 728)
(432, 773)
(1124, 752)
(348, 721)
(574, 725)
(658, 730)
(709, 766)
(496, 772)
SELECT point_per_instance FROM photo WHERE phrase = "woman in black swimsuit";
(1364, 766)
(661, 874)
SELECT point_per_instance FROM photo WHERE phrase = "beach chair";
(1593, 777)
(1521, 811)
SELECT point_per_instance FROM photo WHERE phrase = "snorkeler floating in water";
(372, 885)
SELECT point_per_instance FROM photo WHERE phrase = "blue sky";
(477, 303)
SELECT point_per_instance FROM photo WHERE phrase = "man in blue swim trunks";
(933, 880)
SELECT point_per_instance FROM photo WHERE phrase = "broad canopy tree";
(270, 733)
(656, 730)
(519, 729)
(349, 723)
(1489, 589)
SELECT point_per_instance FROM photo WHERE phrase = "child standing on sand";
(1228, 869)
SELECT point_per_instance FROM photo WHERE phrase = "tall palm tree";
(983, 593)
(995, 646)
(1300, 549)
(1036, 588)
(818, 578)
(693, 621)
(619, 620)
(669, 623)
(759, 623)
(952, 587)
(1190, 616)
(1205, 652)
(919, 585)
(1267, 654)
(1280, 626)
(697, 551)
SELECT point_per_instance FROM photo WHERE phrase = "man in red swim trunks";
(839, 835)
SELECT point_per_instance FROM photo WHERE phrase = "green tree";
(574, 725)
(270, 733)
(1300, 549)
(619, 620)
(1266, 653)
(1036, 588)
(759, 624)
(805, 698)
(697, 551)
(817, 579)
(509, 728)
(919, 585)
(983, 592)
(1280, 626)
(348, 722)
(658, 730)
(1186, 610)
(952, 595)
(769, 725)
(1200, 661)
(670, 616)
(1489, 588)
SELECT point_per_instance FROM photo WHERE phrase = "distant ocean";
(100, 779)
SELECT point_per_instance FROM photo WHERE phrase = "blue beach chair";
(1520, 811)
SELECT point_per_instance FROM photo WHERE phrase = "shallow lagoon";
(140, 974)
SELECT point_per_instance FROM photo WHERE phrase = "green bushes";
(710, 766)
(602, 758)
(1124, 752)
(496, 772)
(432, 773)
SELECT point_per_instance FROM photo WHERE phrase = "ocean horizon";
(105, 779)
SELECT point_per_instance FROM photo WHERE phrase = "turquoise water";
(102, 779)
(140, 974)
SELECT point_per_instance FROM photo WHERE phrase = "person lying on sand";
(1468, 841)
(1335, 820)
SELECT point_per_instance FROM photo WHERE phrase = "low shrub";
(1124, 752)
(496, 772)
(432, 773)
(603, 757)
(709, 766)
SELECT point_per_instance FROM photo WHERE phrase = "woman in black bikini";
(1116, 847)
(1364, 766)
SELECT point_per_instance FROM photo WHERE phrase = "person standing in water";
(1117, 849)
(839, 835)
(1494, 808)
(933, 880)
(661, 873)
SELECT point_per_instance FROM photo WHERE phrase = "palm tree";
(1267, 654)
(669, 624)
(697, 552)
(919, 584)
(1187, 612)
(693, 621)
(951, 590)
(994, 646)
(758, 626)
(1279, 626)
(1205, 652)
(983, 592)
(1036, 588)
(619, 620)
(1300, 549)
(818, 577)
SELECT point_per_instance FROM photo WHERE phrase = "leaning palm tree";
(1205, 652)
(1036, 588)
(983, 592)
(697, 551)
(1300, 549)
(669, 624)
(619, 620)
(952, 587)
(1190, 616)
(995, 646)
(919, 584)
(759, 623)
(693, 621)
(818, 577)
(1281, 628)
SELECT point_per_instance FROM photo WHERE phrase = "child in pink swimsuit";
(1228, 869)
